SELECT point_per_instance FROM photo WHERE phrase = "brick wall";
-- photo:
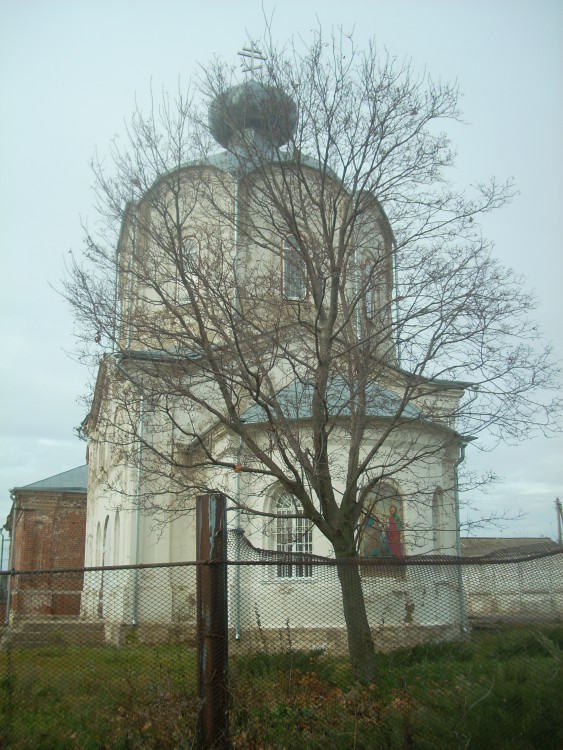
(49, 532)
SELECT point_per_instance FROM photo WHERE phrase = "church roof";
(253, 106)
(237, 164)
(73, 480)
(505, 546)
(295, 402)
(257, 108)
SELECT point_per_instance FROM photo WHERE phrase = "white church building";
(159, 430)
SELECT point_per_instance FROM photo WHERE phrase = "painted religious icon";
(381, 532)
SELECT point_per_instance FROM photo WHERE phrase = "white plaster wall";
(527, 590)
(426, 596)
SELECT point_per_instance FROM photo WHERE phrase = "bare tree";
(314, 306)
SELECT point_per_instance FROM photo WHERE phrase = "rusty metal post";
(212, 624)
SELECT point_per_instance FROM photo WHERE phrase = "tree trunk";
(360, 642)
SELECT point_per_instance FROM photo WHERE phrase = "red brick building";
(47, 526)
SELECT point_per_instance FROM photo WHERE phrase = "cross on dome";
(252, 59)
(252, 111)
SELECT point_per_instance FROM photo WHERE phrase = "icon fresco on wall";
(381, 534)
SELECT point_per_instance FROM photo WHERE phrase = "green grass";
(496, 690)
(91, 698)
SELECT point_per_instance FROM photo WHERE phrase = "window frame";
(192, 257)
(293, 536)
(293, 271)
(437, 520)
(370, 295)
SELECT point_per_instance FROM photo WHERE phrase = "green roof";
(73, 480)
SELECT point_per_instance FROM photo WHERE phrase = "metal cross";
(252, 58)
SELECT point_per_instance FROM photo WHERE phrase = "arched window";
(292, 535)
(116, 538)
(98, 554)
(188, 267)
(106, 545)
(294, 275)
(437, 519)
(367, 281)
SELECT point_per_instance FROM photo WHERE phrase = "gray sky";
(69, 74)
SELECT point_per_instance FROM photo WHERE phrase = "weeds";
(496, 690)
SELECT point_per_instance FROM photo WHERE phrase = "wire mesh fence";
(108, 657)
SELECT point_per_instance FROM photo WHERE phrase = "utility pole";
(559, 519)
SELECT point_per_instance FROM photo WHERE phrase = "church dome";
(266, 110)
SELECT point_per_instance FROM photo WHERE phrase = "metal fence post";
(212, 624)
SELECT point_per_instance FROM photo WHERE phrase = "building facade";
(47, 527)
(212, 383)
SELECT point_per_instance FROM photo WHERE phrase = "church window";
(106, 544)
(437, 523)
(294, 280)
(188, 268)
(371, 286)
(116, 538)
(292, 535)
(370, 295)
(98, 551)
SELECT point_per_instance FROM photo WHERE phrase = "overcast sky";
(69, 74)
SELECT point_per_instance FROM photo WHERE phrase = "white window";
(369, 285)
(98, 551)
(371, 298)
(292, 535)
(116, 538)
(106, 544)
(437, 522)
(294, 281)
(188, 268)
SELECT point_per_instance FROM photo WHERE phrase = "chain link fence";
(97, 658)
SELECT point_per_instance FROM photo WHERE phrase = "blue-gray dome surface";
(251, 105)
